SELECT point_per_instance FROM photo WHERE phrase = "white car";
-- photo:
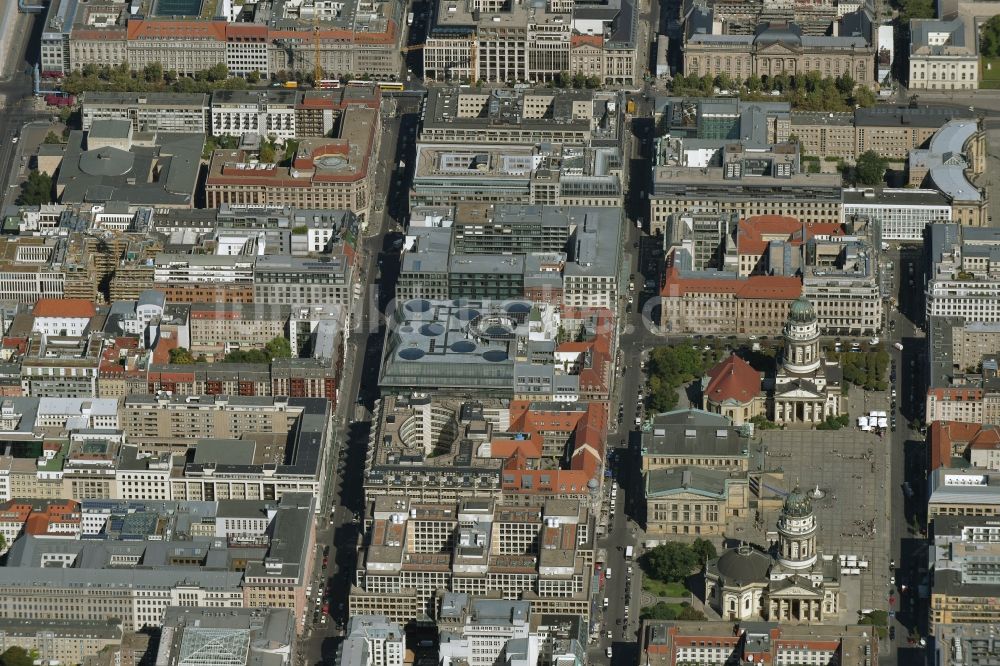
(14, 140)
(608, 652)
(873, 341)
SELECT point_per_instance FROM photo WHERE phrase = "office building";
(943, 54)
(963, 280)
(372, 641)
(489, 626)
(499, 116)
(491, 42)
(542, 555)
(69, 579)
(901, 214)
(148, 112)
(962, 492)
(748, 179)
(245, 637)
(555, 174)
(324, 173)
(717, 643)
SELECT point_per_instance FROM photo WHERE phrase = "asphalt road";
(379, 265)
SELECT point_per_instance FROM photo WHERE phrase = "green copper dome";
(797, 504)
(801, 311)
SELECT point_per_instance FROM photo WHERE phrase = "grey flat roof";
(694, 432)
(894, 197)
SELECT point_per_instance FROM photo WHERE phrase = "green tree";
(181, 356)
(52, 138)
(670, 562)
(253, 77)
(870, 169)
(279, 347)
(845, 84)
(665, 611)
(15, 656)
(3, 543)
(266, 153)
(218, 72)
(153, 72)
(579, 80)
(704, 549)
(36, 190)
(754, 84)
(989, 38)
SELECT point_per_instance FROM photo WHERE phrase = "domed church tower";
(797, 532)
(801, 355)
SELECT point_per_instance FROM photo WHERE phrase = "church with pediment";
(793, 583)
(805, 387)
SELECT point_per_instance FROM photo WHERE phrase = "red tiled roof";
(944, 437)
(751, 232)
(733, 379)
(64, 307)
(190, 29)
(580, 40)
(948, 393)
(756, 286)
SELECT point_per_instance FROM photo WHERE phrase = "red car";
(326, 609)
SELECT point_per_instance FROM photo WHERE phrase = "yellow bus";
(387, 85)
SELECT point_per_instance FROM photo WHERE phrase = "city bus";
(389, 85)
(328, 84)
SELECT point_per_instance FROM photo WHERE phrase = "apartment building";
(206, 278)
(62, 367)
(148, 112)
(221, 328)
(489, 627)
(736, 177)
(268, 446)
(541, 554)
(324, 172)
(963, 555)
(944, 54)
(325, 280)
(973, 403)
(63, 641)
(293, 377)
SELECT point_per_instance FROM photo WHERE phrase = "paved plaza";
(849, 467)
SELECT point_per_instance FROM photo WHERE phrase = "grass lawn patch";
(989, 72)
(662, 589)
